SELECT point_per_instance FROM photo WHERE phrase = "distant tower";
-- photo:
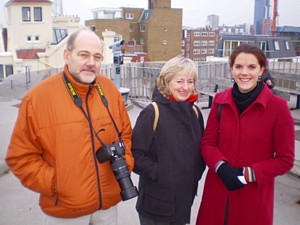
(268, 9)
(57, 8)
(262, 17)
(159, 4)
(212, 21)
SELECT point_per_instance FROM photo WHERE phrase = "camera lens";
(122, 174)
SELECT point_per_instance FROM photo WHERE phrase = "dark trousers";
(226, 214)
(147, 221)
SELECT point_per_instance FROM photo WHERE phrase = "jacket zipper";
(93, 146)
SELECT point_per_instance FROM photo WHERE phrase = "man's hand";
(268, 82)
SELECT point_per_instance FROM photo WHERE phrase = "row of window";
(203, 51)
(199, 59)
(37, 14)
(204, 43)
(58, 35)
(229, 46)
(130, 16)
(204, 34)
(34, 38)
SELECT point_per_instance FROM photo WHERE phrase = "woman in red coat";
(248, 141)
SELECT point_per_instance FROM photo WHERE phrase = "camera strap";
(78, 102)
(105, 103)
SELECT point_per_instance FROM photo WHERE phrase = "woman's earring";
(259, 79)
(232, 79)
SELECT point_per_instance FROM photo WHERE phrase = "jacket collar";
(182, 108)
(82, 89)
(262, 99)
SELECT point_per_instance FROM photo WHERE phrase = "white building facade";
(34, 39)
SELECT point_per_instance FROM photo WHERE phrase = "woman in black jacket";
(167, 156)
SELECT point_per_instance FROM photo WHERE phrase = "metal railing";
(140, 77)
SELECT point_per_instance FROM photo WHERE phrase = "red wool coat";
(261, 137)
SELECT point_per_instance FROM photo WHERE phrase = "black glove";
(229, 176)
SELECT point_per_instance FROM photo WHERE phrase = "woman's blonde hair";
(178, 65)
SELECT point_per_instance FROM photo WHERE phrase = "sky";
(195, 12)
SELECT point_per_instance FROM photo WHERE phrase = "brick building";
(157, 29)
(200, 43)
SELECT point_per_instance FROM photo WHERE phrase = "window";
(230, 45)
(203, 43)
(212, 34)
(1, 73)
(59, 35)
(211, 43)
(196, 51)
(36, 38)
(203, 51)
(64, 33)
(164, 42)
(37, 13)
(196, 43)
(129, 16)
(204, 34)
(211, 51)
(276, 45)
(142, 28)
(95, 15)
(109, 14)
(287, 46)
(26, 14)
(142, 41)
(28, 38)
(197, 34)
(263, 46)
(182, 43)
(226, 49)
(146, 15)
(9, 70)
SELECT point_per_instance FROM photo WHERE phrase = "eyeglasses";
(85, 55)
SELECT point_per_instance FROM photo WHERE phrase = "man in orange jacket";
(72, 140)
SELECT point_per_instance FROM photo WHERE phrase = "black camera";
(114, 153)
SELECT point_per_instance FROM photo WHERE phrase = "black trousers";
(147, 221)
(226, 214)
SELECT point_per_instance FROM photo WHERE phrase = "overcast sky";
(195, 12)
